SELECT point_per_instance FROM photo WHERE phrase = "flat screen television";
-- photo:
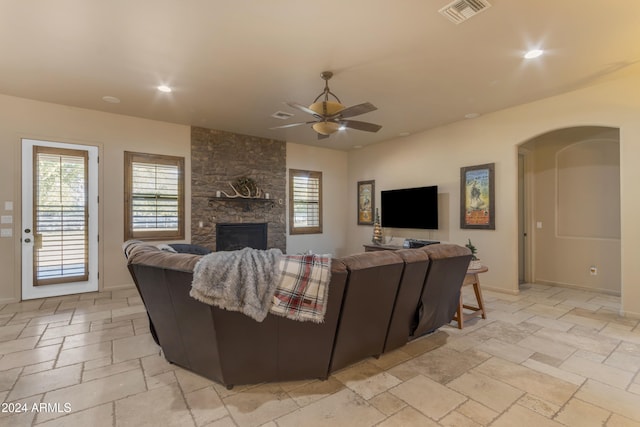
(410, 208)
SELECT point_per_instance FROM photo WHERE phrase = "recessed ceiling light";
(471, 115)
(534, 53)
(164, 88)
(111, 99)
(404, 134)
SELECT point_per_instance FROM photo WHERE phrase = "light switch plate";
(8, 206)
(6, 232)
(6, 219)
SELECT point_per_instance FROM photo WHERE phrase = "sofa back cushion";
(404, 317)
(370, 293)
(142, 253)
(441, 292)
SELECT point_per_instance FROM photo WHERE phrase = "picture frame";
(477, 197)
(366, 202)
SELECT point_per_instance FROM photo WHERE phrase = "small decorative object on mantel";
(245, 188)
(247, 193)
(475, 263)
(377, 230)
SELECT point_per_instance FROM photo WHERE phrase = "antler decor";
(245, 188)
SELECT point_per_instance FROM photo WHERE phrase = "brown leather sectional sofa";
(378, 301)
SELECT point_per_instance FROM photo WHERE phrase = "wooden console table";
(374, 248)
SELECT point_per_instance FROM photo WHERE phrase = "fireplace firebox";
(234, 236)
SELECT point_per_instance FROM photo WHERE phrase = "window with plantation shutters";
(154, 197)
(60, 216)
(305, 202)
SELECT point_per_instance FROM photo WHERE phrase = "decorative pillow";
(189, 248)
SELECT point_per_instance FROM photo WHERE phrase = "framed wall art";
(366, 202)
(477, 197)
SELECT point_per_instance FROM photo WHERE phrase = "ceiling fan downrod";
(326, 75)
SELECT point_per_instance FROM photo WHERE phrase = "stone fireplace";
(219, 158)
(231, 237)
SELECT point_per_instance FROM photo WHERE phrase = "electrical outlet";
(593, 270)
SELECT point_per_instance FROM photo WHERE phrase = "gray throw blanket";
(243, 280)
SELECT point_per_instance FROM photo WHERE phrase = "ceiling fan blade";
(302, 108)
(290, 125)
(322, 136)
(356, 110)
(355, 124)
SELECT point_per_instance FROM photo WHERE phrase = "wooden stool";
(471, 278)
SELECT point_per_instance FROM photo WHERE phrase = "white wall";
(434, 157)
(336, 213)
(112, 134)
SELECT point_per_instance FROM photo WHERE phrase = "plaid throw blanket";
(304, 287)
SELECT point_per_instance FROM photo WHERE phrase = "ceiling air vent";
(281, 115)
(461, 10)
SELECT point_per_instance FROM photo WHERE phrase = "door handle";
(27, 240)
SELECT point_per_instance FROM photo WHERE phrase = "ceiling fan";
(331, 116)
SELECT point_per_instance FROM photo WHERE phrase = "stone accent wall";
(219, 157)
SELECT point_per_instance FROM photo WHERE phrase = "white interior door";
(59, 219)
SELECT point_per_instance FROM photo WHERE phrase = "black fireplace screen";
(231, 237)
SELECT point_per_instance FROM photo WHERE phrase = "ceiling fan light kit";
(326, 128)
(331, 116)
(326, 108)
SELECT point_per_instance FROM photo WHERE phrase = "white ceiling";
(233, 63)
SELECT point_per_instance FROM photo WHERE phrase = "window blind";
(154, 196)
(60, 214)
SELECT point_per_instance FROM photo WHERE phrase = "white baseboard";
(578, 287)
(119, 287)
(500, 290)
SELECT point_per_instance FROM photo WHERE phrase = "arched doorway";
(569, 207)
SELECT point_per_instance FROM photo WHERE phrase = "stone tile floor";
(548, 357)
